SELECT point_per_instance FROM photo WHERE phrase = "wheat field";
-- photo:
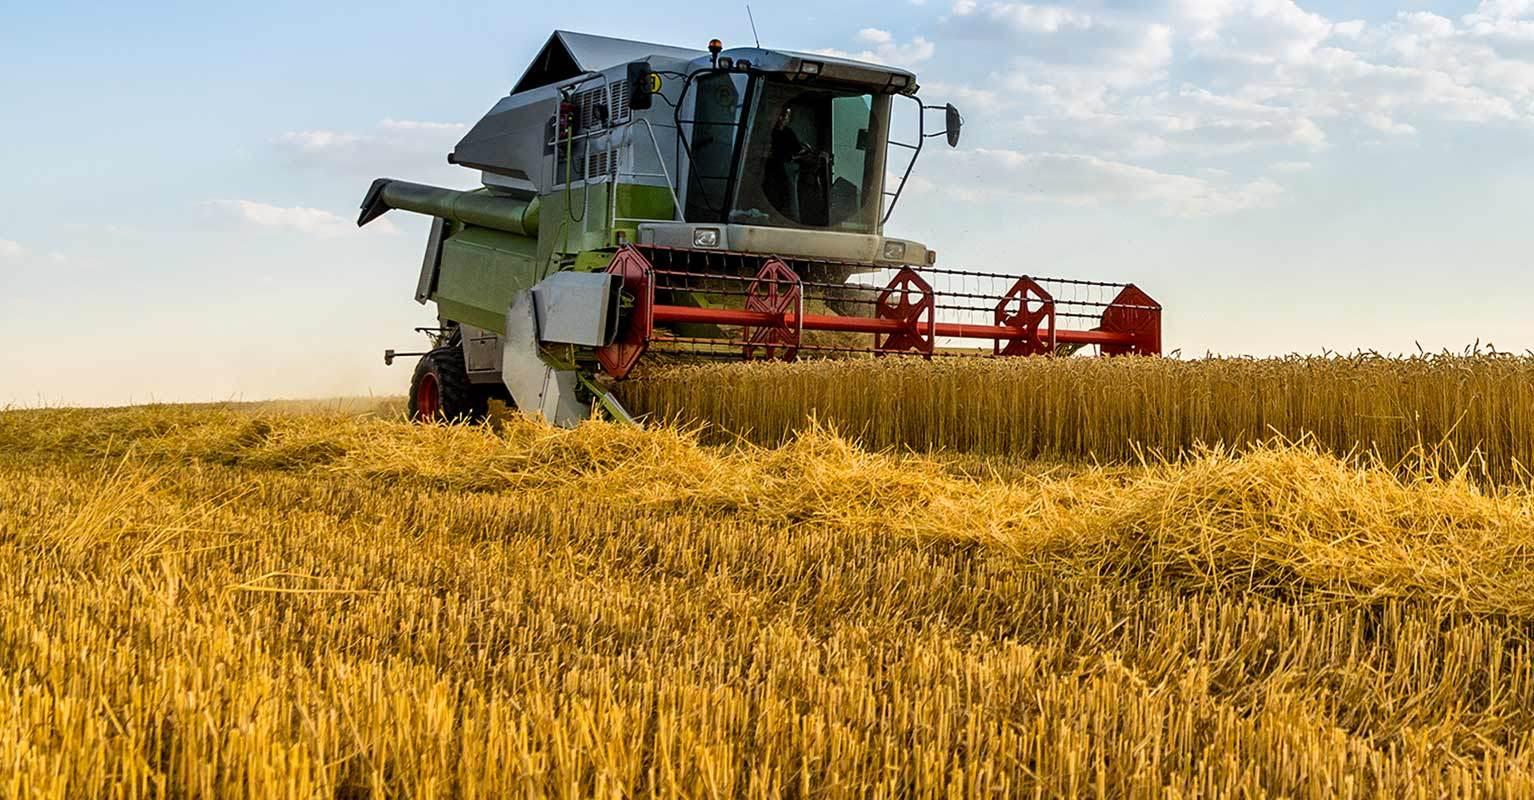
(1475, 409)
(276, 602)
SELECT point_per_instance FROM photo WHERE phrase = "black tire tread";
(461, 401)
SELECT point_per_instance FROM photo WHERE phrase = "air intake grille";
(586, 104)
(599, 164)
(619, 92)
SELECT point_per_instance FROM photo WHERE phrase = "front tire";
(440, 390)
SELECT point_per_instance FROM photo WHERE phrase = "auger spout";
(479, 207)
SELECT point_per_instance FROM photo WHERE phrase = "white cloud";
(1385, 124)
(967, 98)
(407, 148)
(11, 251)
(416, 125)
(1190, 120)
(881, 47)
(1252, 31)
(1084, 180)
(317, 141)
(1024, 17)
(1352, 29)
(1290, 166)
(310, 221)
(1381, 90)
(1220, 77)
(391, 134)
(1087, 72)
(875, 36)
(1507, 21)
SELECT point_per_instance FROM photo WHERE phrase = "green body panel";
(637, 201)
(593, 260)
(572, 222)
(578, 220)
(481, 270)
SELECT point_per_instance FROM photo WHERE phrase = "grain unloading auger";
(641, 201)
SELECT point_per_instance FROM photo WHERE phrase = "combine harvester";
(641, 200)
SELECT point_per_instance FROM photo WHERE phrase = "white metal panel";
(537, 387)
(578, 308)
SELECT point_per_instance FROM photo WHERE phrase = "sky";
(179, 181)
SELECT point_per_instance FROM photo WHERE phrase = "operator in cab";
(787, 159)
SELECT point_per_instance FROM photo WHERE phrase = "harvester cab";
(648, 201)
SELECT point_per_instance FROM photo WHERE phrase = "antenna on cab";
(751, 17)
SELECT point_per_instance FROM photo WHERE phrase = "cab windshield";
(771, 151)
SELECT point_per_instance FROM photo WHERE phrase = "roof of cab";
(568, 54)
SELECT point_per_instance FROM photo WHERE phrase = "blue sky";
(179, 178)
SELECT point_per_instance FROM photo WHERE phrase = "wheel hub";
(428, 398)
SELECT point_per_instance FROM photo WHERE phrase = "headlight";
(705, 237)
(894, 251)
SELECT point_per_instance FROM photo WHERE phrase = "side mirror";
(643, 84)
(955, 123)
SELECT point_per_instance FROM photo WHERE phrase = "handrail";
(660, 158)
(615, 172)
(921, 139)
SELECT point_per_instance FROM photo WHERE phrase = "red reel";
(635, 328)
(777, 290)
(908, 299)
(1027, 307)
